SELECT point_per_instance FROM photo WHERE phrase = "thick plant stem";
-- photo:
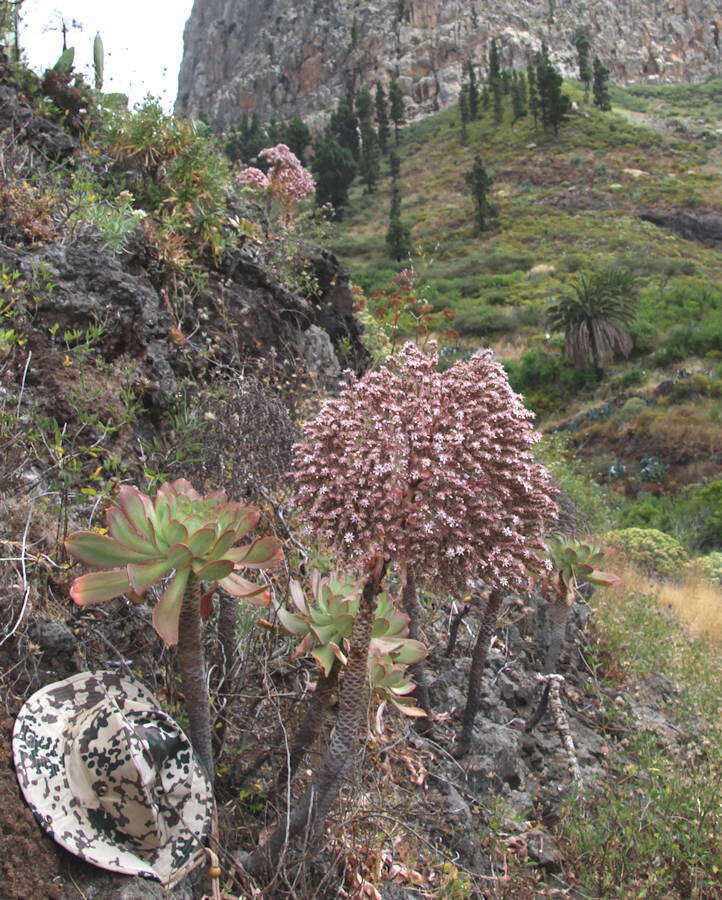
(558, 615)
(417, 670)
(309, 816)
(454, 629)
(225, 661)
(311, 726)
(227, 618)
(191, 665)
(478, 664)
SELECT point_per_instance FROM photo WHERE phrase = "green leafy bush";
(691, 339)
(652, 550)
(481, 320)
(593, 505)
(710, 566)
(704, 507)
(111, 218)
(175, 170)
(546, 380)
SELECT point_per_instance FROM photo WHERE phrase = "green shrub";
(689, 309)
(111, 218)
(175, 169)
(481, 320)
(691, 339)
(649, 511)
(710, 566)
(629, 378)
(704, 506)
(546, 380)
(645, 336)
(630, 409)
(594, 503)
(509, 261)
(697, 386)
(652, 550)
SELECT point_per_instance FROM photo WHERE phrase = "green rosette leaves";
(179, 533)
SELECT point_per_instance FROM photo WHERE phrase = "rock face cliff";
(287, 57)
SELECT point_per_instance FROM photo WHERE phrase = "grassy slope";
(568, 206)
(565, 202)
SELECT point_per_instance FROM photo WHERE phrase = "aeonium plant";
(573, 563)
(189, 539)
(325, 621)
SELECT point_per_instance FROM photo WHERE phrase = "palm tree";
(593, 317)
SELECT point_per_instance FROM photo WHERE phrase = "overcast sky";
(143, 41)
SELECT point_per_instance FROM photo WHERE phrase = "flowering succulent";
(179, 532)
(574, 562)
(287, 181)
(324, 626)
(433, 470)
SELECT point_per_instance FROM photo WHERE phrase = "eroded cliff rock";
(287, 57)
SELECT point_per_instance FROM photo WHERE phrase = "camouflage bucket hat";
(112, 778)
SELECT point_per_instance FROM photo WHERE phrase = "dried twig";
(560, 720)
(25, 584)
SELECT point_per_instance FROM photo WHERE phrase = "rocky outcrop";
(286, 57)
(703, 227)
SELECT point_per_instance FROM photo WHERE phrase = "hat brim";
(38, 750)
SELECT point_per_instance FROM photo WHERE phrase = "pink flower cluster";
(286, 182)
(431, 469)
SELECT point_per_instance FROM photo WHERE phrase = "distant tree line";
(537, 92)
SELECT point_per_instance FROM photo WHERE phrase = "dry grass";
(695, 601)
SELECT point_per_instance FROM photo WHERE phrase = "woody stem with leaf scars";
(478, 664)
(181, 538)
(309, 816)
(192, 669)
(417, 670)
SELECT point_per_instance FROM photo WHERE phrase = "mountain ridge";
(281, 58)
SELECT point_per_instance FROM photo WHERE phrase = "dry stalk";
(560, 720)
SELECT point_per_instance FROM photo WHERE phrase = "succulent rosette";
(324, 625)
(181, 534)
(573, 562)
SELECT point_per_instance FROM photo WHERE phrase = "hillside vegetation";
(379, 729)
(568, 204)
(571, 206)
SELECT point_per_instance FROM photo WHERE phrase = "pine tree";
(382, 117)
(533, 93)
(398, 237)
(495, 81)
(369, 155)
(297, 136)
(473, 92)
(464, 110)
(398, 111)
(554, 103)
(480, 182)
(583, 45)
(494, 62)
(601, 85)
(394, 165)
(485, 98)
(245, 142)
(496, 90)
(518, 97)
(334, 168)
(364, 105)
(344, 125)
(506, 81)
(273, 130)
